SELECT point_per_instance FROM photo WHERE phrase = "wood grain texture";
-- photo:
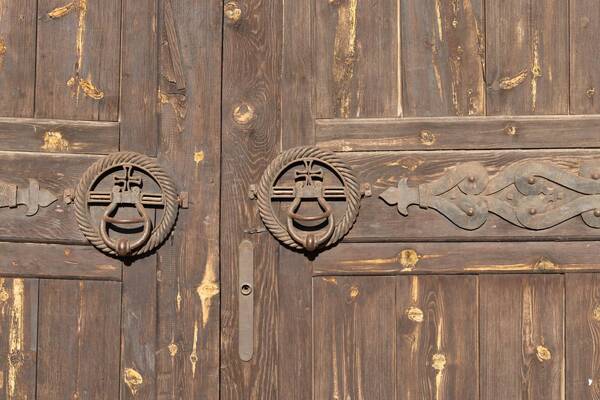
(378, 221)
(189, 284)
(56, 261)
(456, 133)
(437, 340)
(521, 337)
(357, 56)
(17, 57)
(527, 53)
(77, 74)
(583, 335)
(78, 349)
(139, 76)
(443, 57)
(18, 338)
(54, 172)
(58, 136)
(584, 23)
(354, 337)
(457, 258)
(250, 140)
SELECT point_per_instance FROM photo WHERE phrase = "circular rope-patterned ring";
(279, 165)
(150, 167)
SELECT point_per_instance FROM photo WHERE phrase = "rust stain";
(344, 55)
(427, 137)
(198, 157)
(133, 379)
(16, 336)
(512, 82)
(543, 353)
(415, 314)
(536, 70)
(59, 12)
(408, 258)
(55, 142)
(194, 353)
(173, 349)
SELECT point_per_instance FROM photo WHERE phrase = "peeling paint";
(133, 379)
(59, 12)
(16, 336)
(90, 90)
(344, 55)
(512, 82)
(55, 142)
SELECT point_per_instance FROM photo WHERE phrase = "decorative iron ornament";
(33, 197)
(532, 195)
(317, 176)
(119, 181)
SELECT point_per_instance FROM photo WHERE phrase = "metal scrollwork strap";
(128, 171)
(309, 164)
(532, 195)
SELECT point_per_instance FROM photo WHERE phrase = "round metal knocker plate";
(118, 200)
(308, 176)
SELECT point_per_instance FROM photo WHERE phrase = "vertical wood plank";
(17, 57)
(527, 50)
(188, 286)
(78, 353)
(354, 337)
(139, 76)
(18, 337)
(443, 54)
(357, 56)
(251, 130)
(78, 59)
(437, 341)
(521, 337)
(585, 47)
(583, 334)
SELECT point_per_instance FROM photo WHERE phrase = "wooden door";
(476, 119)
(80, 80)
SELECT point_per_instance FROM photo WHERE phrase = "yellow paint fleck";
(198, 157)
(344, 55)
(173, 349)
(511, 130)
(90, 90)
(543, 353)
(408, 259)
(438, 362)
(2, 47)
(55, 142)
(4, 296)
(427, 137)
(133, 380)
(209, 287)
(536, 70)
(544, 264)
(331, 280)
(194, 354)
(354, 292)
(61, 11)
(511, 83)
(415, 314)
(16, 336)
(232, 11)
(596, 313)
(243, 114)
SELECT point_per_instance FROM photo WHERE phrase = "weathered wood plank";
(354, 337)
(521, 337)
(58, 136)
(451, 133)
(527, 55)
(357, 55)
(54, 172)
(78, 349)
(17, 57)
(57, 261)
(584, 23)
(189, 285)
(583, 336)
(379, 221)
(459, 258)
(77, 74)
(18, 337)
(437, 340)
(139, 76)
(443, 57)
(250, 140)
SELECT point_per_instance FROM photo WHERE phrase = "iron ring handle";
(309, 240)
(123, 246)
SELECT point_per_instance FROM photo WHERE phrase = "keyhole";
(246, 289)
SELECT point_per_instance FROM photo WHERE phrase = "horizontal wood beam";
(56, 261)
(458, 258)
(58, 136)
(460, 133)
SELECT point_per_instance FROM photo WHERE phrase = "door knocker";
(117, 201)
(322, 195)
